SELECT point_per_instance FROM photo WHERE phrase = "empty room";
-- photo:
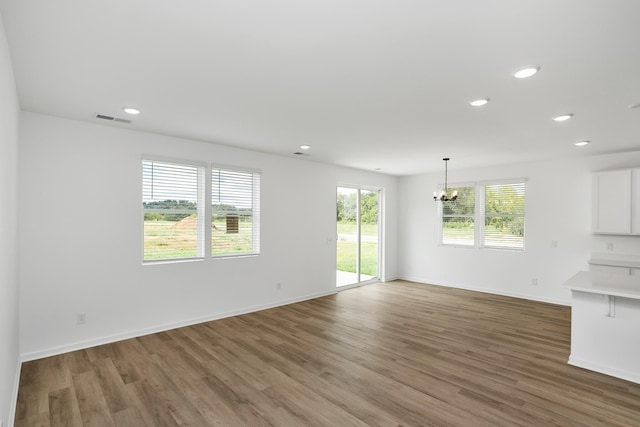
(322, 213)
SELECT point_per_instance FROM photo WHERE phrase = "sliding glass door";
(358, 242)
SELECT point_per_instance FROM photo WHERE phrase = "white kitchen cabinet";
(635, 201)
(616, 202)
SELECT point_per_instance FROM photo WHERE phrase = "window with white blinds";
(178, 212)
(504, 215)
(458, 217)
(486, 215)
(235, 212)
(173, 210)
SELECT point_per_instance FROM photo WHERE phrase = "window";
(179, 217)
(458, 218)
(235, 212)
(486, 215)
(173, 210)
(504, 215)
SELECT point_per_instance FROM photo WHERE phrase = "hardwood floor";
(395, 353)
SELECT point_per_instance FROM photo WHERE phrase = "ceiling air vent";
(112, 119)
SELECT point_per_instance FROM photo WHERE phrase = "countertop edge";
(605, 284)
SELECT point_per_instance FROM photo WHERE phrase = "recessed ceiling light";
(524, 73)
(563, 117)
(305, 147)
(581, 143)
(131, 110)
(479, 102)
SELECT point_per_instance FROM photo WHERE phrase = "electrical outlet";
(534, 282)
(610, 247)
(554, 243)
(278, 286)
(82, 319)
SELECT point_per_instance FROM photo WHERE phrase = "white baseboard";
(141, 332)
(489, 291)
(617, 373)
(14, 396)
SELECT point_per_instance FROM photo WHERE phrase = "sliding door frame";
(380, 256)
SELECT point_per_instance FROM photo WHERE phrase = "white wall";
(9, 111)
(81, 236)
(558, 207)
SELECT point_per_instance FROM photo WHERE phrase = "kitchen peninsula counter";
(605, 323)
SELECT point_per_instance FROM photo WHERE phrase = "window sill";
(232, 256)
(171, 261)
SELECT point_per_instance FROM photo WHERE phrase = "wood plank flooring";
(396, 353)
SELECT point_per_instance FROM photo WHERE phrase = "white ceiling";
(367, 83)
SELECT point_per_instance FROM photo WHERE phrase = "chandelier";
(443, 195)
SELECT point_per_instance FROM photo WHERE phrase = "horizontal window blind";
(170, 199)
(235, 209)
(458, 218)
(504, 215)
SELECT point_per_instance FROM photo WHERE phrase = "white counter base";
(605, 324)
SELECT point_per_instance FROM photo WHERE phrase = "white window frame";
(441, 215)
(200, 207)
(256, 191)
(480, 217)
(204, 209)
(480, 200)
